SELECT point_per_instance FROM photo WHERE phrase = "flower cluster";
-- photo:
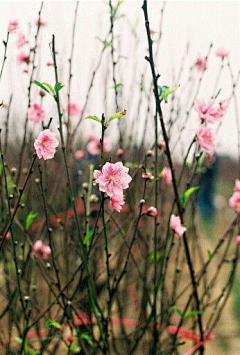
(209, 112)
(113, 179)
(234, 201)
(93, 146)
(176, 225)
(41, 250)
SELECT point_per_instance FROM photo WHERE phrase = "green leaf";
(88, 236)
(87, 337)
(117, 85)
(154, 257)
(1, 169)
(116, 115)
(131, 165)
(30, 218)
(18, 340)
(94, 118)
(191, 314)
(177, 310)
(210, 255)
(75, 349)
(166, 91)
(41, 86)
(58, 87)
(50, 88)
(186, 194)
(51, 323)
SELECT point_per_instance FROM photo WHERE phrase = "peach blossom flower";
(21, 40)
(238, 239)
(41, 250)
(147, 175)
(116, 202)
(73, 109)
(113, 178)
(7, 236)
(234, 201)
(152, 211)
(23, 58)
(207, 111)
(79, 154)
(36, 113)
(205, 139)
(176, 225)
(13, 25)
(201, 63)
(119, 152)
(162, 145)
(93, 147)
(46, 144)
(222, 53)
(167, 176)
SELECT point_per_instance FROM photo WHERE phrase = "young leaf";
(51, 323)
(50, 88)
(210, 255)
(41, 86)
(154, 257)
(167, 92)
(94, 118)
(87, 337)
(186, 194)
(58, 87)
(177, 310)
(116, 115)
(30, 218)
(191, 314)
(88, 236)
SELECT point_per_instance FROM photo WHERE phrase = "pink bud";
(152, 211)
(238, 239)
(119, 152)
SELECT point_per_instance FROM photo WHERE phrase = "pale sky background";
(196, 22)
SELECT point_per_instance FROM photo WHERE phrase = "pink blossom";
(36, 113)
(207, 111)
(116, 202)
(234, 201)
(205, 139)
(222, 53)
(147, 175)
(41, 250)
(23, 58)
(7, 236)
(46, 144)
(69, 338)
(21, 40)
(162, 145)
(93, 147)
(150, 153)
(73, 109)
(49, 64)
(152, 211)
(167, 176)
(176, 225)
(238, 239)
(79, 154)
(201, 63)
(237, 185)
(152, 31)
(12, 26)
(113, 178)
(119, 152)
